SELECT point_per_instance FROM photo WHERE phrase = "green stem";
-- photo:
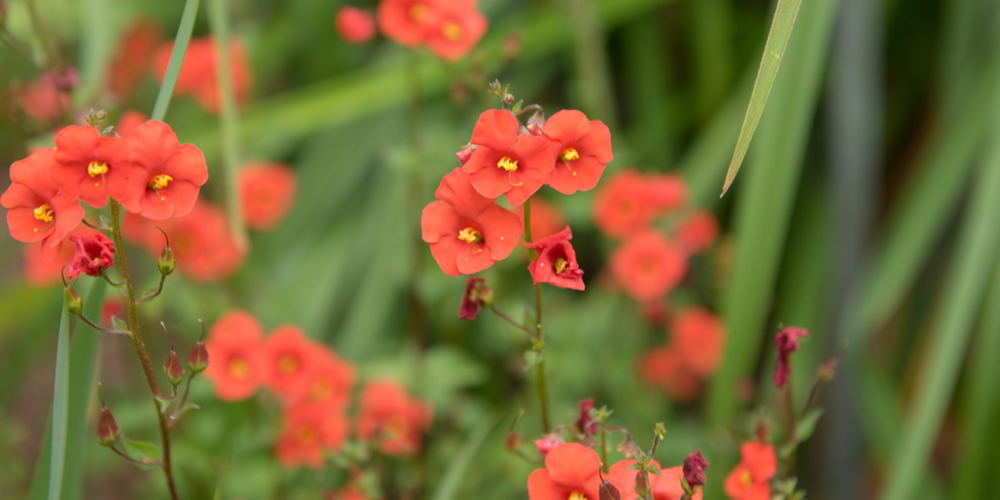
(604, 448)
(176, 58)
(140, 349)
(543, 398)
(793, 437)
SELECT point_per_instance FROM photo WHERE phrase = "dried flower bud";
(828, 370)
(107, 429)
(536, 122)
(763, 432)
(694, 469)
(67, 79)
(511, 46)
(198, 358)
(74, 303)
(787, 342)
(513, 440)
(548, 443)
(477, 295)
(93, 255)
(466, 153)
(627, 447)
(173, 369)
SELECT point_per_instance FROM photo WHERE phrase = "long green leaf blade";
(60, 408)
(777, 40)
(460, 463)
(176, 59)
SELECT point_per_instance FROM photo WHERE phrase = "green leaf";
(807, 425)
(60, 408)
(176, 59)
(777, 40)
(145, 452)
(459, 464)
(118, 324)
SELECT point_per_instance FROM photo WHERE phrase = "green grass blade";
(460, 463)
(60, 408)
(777, 40)
(176, 59)
(764, 208)
(95, 48)
(962, 297)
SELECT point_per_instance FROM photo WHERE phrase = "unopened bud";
(627, 447)
(74, 303)
(173, 368)
(466, 153)
(607, 491)
(107, 429)
(536, 122)
(198, 358)
(763, 432)
(828, 370)
(513, 440)
(167, 262)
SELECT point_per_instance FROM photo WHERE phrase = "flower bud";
(466, 153)
(198, 358)
(73, 301)
(694, 469)
(173, 368)
(167, 262)
(513, 440)
(536, 122)
(607, 491)
(107, 429)
(827, 371)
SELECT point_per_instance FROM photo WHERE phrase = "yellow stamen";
(418, 12)
(507, 164)
(470, 235)
(96, 168)
(745, 479)
(160, 181)
(451, 31)
(576, 495)
(321, 390)
(239, 369)
(307, 436)
(569, 154)
(288, 364)
(44, 213)
(560, 265)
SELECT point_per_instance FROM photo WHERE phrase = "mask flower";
(94, 255)
(669, 192)
(131, 63)
(355, 25)
(166, 175)
(407, 21)
(787, 342)
(233, 344)
(581, 149)
(308, 431)
(329, 380)
(647, 265)
(36, 211)
(504, 161)
(663, 486)
(556, 262)
(89, 166)
(624, 204)
(458, 27)
(570, 473)
(287, 358)
(664, 368)
(698, 231)
(699, 337)
(267, 194)
(749, 480)
(395, 418)
(466, 231)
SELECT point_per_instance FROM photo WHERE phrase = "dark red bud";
(694, 469)
(198, 358)
(173, 368)
(513, 441)
(609, 492)
(107, 429)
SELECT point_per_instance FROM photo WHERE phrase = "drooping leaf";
(60, 408)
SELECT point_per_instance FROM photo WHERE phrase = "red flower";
(698, 337)
(267, 194)
(669, 192)
(407, 21)
(329, 380)
(167, 175)
(663, 486)
(131, 62)
(548, 442)
(306, 432)
(586, 423)
(94, 254)
(396, 419)
(233, 344)
(89, 166)
(556, 262)
(287, 358)
(36, 210)
(787, 342)
(546, 218)
(477, 294)
(199, 72)
(570, 473)
(698, 231)
(458, 27)
(663, 368)
(750, 479)
(128, 122)
(355, 25)
(624, 204)
(505, 162)
(647, 266)
(466, 231)
(42, 100)
(38, 271)
(581, 148)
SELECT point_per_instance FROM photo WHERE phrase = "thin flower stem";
(812, 397)
(140, 349)
(100, 328)
(112, 283)
(793, 437)
(180, 404)
(510, 320)
(155, 293)
(133, 460)
(530, 107)
(543, 398)
(604, 448)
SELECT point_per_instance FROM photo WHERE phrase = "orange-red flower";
(128, 122)
(89, 166)
(698, 231)
(392, 417)
(329, 380)
(38, 271)
(407, 21)
(466, 231)
(42, 100)
(699, 337)
(457, 28)
(199, 72)
(505, 161)
(287, 358)
(663, 368)
(750, 479)
(546, 218)
(355, 25)
(669, 191)
(166, 175)
(647, 265)
(307, 431)
(267, 194)
(36, 211)
(131, 62)
(663, 486)
(624, 204)
(581, 148)
(94, 254)
(556, 262)
(570, 473)
(233, 344)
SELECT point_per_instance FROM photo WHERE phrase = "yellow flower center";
(418, 12)
(569, 154)
(44, 213)
(320, 391)
(470, 235)
(745, 479)
(160, 181)
(96, 168)
(451, 31)
(576, 495)
(307, 436)
(507, 164)
(560, 265)
(239, 369)
(288, 364)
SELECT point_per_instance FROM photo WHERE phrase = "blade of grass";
(962, 297)
(60, 408)
(765, 207)
(593, 80)
(176, 59)
(95, 49)
(452, 479)
(777, 40)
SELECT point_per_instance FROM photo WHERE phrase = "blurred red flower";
(287, 358)
(94, 254)
(233, 351)
(392, 417)
(546, 218)
(42, 100)
(698, 231)
(166, 175)
(548, 442)
(37, 211)
(581, 149)
(647, 265)
(662, 367)
(406, 21)
(556, 262)
(267, 193)
(355, 25)
(570, 473)
(307, 431)
(663, 486)
(89, 166)
(457, 28)
(669, 191)
(504, 161)
(750, 479)
(699, 337)
(466, 231)
(329, 380)
(128, 122)
(131, 62)
(624, 204)
(199, 72)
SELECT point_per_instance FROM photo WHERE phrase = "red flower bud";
(787, 342)
(94, 254)
(173, 368)
(586, 424)
(198, 358)
(828, 370)
(694, 469)
(466, 153)
(167, 262)
(107, 429)
(513, 440)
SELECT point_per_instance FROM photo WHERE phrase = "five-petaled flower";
(456, 29)
(233, 344)
(267, 193)
(581, 149)
(394, 418)
(505, 161)
(750, 479)
(166, 175)
(89, 166)
(648, 265)
(570, 473)
(94, 254)
(556, 262)
(286, 359)
(624, 204)
(308, 431)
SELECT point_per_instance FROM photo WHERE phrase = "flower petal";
(501, 229)
(496, 129)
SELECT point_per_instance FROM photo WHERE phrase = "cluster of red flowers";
(47, 98)
(468, 232)
(750, 480)
(449, 28)
(314, 385)
(693, 352)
